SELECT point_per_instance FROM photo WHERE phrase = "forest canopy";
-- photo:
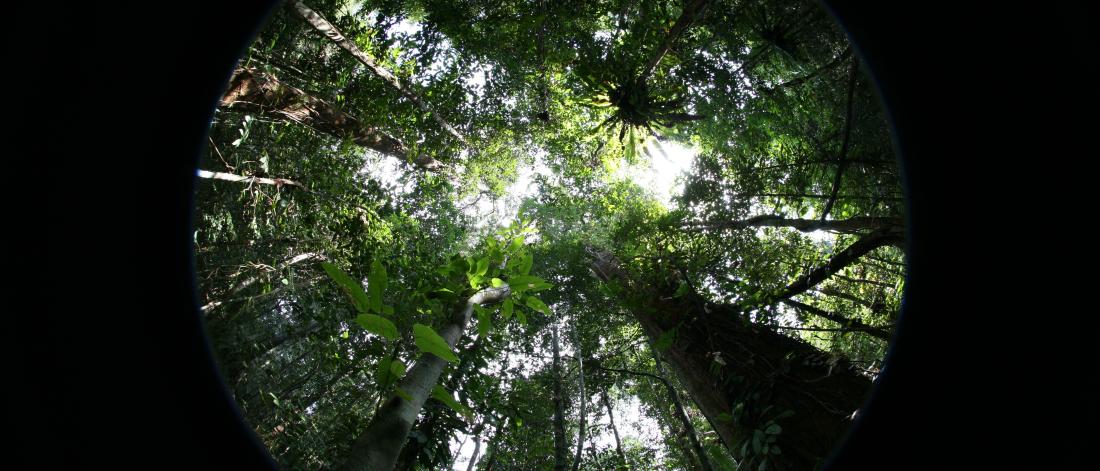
(549, 234)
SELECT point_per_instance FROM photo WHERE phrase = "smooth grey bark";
(559, 406)
(379, 446)
(614, 430)
(332, 33)
(583, 400)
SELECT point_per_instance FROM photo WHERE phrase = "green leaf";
(537, 304)
(402, 394)
(482, 267)
(682, 290)
(385, 373)
(351, 287)
(525, 264)
(440, 394)
(521, 317)
(773, 429)
(459, 265)
(377, 325)
(516, 243)
(397, 368)
(630, 146)
(757, 440)
(376, 284)
(664, 342)
(540, 286)
(430, 342)
(521, 283)
(506, 309)
(484, 320)
(496, 282)
(475, 280)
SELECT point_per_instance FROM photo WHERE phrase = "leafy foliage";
(320, 299)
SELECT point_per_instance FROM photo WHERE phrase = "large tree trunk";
(743, 376)
(256, 91)
(329, 31)
(559, 406)
(378, 447)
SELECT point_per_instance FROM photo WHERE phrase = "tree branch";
(692, 9)
(850, 324)
(867, 243)
(847, 139)
(229, 177)
(329, 31)
(849, 225)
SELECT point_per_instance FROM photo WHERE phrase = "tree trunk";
(256, 91)
(689, 428)
(473, 457)
(614, 430)
(451, 462)
(743, 376)
(378, 447)
(583, 400)
(492, 452)
(850, 225)
(559, 406)
(329, 31)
